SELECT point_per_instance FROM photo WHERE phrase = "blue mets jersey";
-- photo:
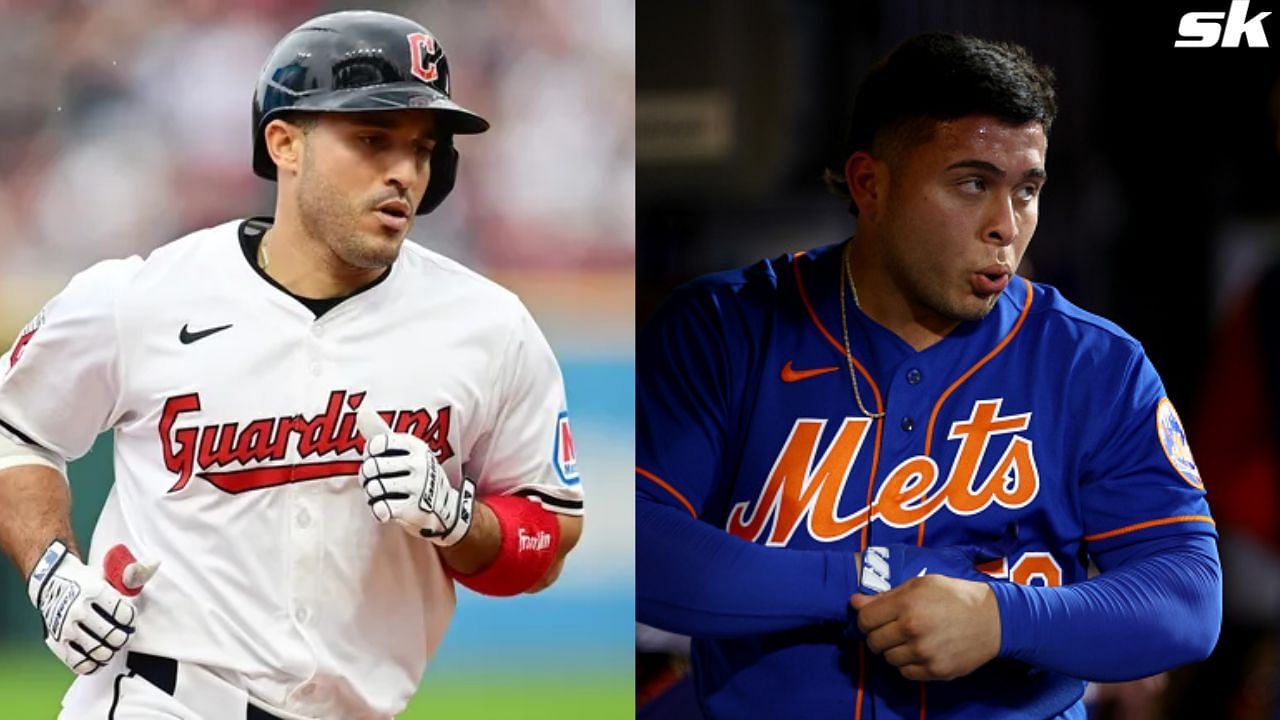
(1041, 417)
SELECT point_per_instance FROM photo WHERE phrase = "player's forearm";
(481, 545)
(570, 533)
(35, 508)
(695, 579)
(1146, 616)
(478, 550)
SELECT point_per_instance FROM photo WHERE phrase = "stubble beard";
(330, 217)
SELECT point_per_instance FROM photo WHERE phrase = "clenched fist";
(932, 627)
(86, 620)
(404, 482)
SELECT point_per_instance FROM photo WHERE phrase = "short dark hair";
(301, 118)
(943, 76)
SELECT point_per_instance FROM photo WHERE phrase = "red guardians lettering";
(253, 451)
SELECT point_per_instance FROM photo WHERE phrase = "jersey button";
(304, 518)
(914, 376)
(315, 368)
(302, 614)
(907, 423)
(317, 330)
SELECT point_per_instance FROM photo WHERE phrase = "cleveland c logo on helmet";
(422, 57)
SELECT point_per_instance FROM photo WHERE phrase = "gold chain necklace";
(263, 260)
(847, 275)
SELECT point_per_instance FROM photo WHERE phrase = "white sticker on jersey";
(875, 570)
(565, 454)
(1174, 441)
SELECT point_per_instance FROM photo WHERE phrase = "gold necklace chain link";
(846, 274)
(263, 259)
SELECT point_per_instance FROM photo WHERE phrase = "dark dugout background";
(1159, 214)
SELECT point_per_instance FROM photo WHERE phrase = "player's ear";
(284, 143)
(867, 178)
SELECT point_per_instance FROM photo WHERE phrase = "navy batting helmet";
(364, 61)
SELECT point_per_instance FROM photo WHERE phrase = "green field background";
(32, 683)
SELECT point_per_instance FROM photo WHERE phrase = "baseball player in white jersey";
(318, 427)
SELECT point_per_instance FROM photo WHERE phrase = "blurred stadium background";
(125, 124)
(1162, 213)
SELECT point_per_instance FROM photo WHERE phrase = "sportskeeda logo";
(1204, 29)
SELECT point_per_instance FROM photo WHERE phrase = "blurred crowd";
(124, 125)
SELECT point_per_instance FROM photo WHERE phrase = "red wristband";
(530, 538)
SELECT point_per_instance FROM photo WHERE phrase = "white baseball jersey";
(233, 411)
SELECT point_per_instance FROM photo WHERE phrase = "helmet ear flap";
(444, 171)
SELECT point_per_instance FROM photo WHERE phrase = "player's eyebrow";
(382, 122)
(1036, 173)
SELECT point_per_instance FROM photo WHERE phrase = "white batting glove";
(406, 483)
(86, 620)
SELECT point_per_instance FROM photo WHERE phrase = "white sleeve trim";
(15, 454)
(556, 502)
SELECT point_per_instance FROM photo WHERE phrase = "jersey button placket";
(315, 351)
(913, 377)
(306, 573)
(306, 542)
(303, 517)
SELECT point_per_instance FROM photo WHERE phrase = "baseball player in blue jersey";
(872, 476)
